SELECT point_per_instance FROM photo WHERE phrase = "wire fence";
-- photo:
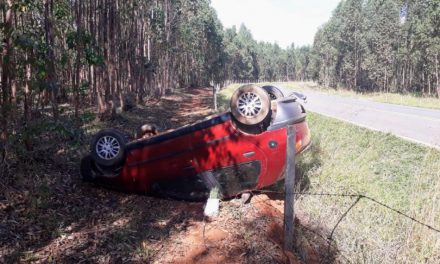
(327, 256)
(358, 198)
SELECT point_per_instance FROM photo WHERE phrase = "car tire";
(250, 105)
(108, 148)
(107, 172)
(274, 92)
(86, 169)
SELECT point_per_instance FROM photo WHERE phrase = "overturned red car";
(236, 151)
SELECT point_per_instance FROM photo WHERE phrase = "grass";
(391, 98)
(398, 173)
(345, 158)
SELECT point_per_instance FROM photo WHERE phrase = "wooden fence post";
(289, 189)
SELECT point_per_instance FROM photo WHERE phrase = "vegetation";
(389, 46)
(401, 174)
(346, 159)
(380, 45)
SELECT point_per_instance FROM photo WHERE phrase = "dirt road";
(416, 124)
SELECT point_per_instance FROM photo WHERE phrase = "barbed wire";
(332, 252)
(361, 196)
(327, 258)
(358, 197)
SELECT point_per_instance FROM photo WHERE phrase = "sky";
(280, 21)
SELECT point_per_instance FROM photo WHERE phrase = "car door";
(233, 160)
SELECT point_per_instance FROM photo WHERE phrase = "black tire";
(273, 91)
(108, 148)
(86, 169)
(250, 105)
(107, 172)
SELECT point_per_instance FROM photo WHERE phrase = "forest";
(114, 54)
(380, 45)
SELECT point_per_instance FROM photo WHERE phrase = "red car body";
(181, 163)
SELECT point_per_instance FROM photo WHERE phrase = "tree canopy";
(102, 50)
(380, 45)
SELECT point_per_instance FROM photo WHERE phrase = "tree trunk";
(27, 104)
(437, 81)
(6, 57)
(50, 60)
(79, 49)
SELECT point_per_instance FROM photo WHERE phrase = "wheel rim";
(107, 147)
(249, 104)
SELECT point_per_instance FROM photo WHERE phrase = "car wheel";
(250, 104)
(108, 172)
(274, 92)
(107, 148)
(86, 169)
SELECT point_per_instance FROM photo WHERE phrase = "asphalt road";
(412, 123)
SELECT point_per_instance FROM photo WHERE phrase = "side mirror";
(300, 96)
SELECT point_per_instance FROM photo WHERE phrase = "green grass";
(391, 98)
(345, 158)
(401, 174)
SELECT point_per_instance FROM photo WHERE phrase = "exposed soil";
(48, 214)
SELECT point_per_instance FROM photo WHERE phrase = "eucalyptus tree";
(423, 44)
(381, 31)
(387, 45)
